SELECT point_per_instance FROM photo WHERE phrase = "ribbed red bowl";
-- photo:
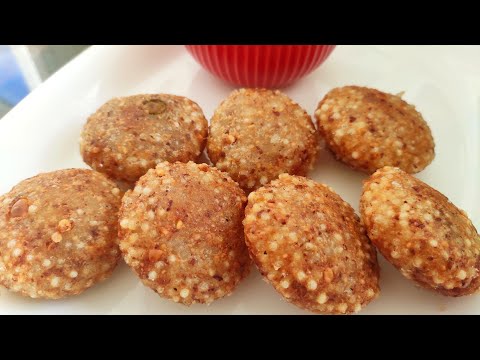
(269, 66)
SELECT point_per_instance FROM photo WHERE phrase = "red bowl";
(269, 66)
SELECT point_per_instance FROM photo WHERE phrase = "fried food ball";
(258, 134)
(181, 232)
(310, 245)
(58, 233)
(368, 129)
(421, 232)
(129, 135)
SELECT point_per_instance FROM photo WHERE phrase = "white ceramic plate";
(41, 134)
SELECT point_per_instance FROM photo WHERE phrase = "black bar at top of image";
(243, 22)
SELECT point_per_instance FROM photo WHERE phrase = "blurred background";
(24, 67)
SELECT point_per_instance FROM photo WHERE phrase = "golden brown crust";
(310, 245)
(258, 134)
(181, 232)
(127, 136)
(421, 232)
(368, 129)
(58, 233)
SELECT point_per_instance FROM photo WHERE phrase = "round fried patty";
(310, 245)
(58, 233)
(258, 134)
(181, 232)
(127, 136)
(368, 129)
(421, 232)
